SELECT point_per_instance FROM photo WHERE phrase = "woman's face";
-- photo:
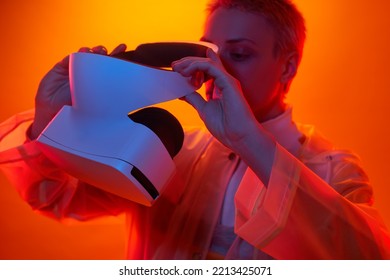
(246, 47)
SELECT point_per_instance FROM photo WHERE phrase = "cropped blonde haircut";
(282, 15)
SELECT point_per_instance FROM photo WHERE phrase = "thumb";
(195, 100)
(64, 63)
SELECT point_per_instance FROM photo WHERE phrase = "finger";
(120, 48)
(196, 101)
(85, 50)
(186, 61)
(212, 55)
(197, 79)
(209, 89)
(190, 67)
(100, 50)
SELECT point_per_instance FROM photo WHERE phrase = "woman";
(254, 186)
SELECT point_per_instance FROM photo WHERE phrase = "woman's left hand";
(226, 114)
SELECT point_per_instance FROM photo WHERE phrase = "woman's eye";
(239, 56)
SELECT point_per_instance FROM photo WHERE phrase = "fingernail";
(197, 79)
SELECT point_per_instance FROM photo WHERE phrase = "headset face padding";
(164, 125)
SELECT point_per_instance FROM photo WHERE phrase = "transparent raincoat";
(317, 204)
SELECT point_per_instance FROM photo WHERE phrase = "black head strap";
(162, 54)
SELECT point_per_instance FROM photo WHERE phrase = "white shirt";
(286, 134)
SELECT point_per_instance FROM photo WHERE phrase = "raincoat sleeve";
(300, 215)
(44, 186)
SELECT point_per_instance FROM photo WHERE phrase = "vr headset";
(110, 137)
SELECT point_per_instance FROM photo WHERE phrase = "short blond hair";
(284, 17)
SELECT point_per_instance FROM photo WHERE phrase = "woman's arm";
(42, 184)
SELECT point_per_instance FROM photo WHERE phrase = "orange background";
(342, 88)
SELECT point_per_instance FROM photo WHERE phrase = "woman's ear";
(289, 70)
(289, 67)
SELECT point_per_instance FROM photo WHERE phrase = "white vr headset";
(109, 137)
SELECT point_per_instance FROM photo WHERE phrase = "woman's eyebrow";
(230, 41)
(239, 40)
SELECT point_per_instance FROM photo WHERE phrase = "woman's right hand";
(54, 91)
